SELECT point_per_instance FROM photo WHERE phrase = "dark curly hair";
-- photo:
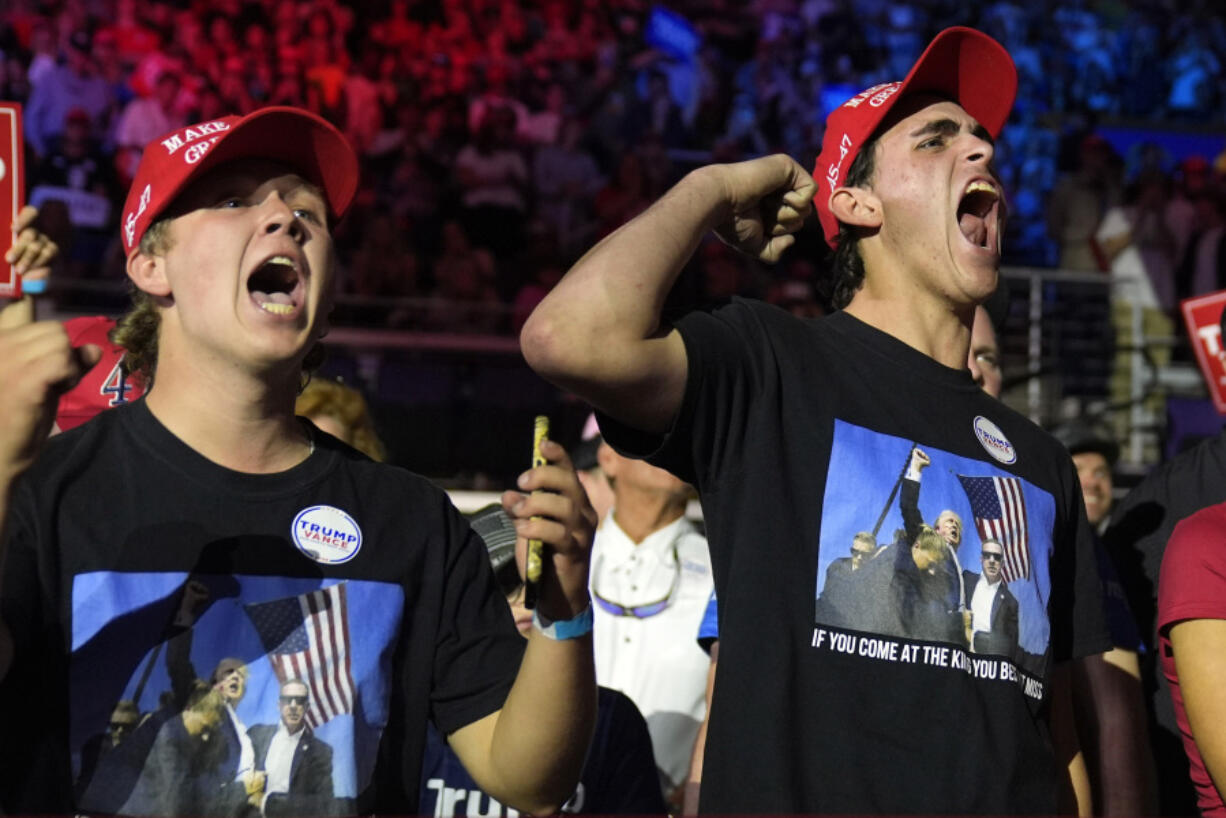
(847, 267)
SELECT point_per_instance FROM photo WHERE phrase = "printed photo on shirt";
(954, 551)
(227, 694)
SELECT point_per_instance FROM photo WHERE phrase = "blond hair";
(346, 406)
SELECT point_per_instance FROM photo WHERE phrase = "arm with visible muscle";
(599, 334)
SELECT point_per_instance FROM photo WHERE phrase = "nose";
(278, 216)
(980, 150)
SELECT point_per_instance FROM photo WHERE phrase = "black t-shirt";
(138, 571)
(619, 775)
(798, 435)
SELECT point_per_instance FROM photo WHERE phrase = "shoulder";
(314, 744)
(1202, 533)
(1193, 470)
(747, 316)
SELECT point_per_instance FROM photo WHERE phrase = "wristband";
(578, 625)
(37, 286)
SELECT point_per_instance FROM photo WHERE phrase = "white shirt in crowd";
(654, 659)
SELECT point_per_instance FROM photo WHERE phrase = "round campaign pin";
(994, 441)
(326, 534)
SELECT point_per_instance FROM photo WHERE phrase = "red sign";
(12, 189)
(1203, 315)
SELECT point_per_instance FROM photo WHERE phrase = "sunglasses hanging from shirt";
(641, 610)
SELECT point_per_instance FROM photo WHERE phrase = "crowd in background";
(502, 137)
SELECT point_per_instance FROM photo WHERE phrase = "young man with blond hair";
(309, 560)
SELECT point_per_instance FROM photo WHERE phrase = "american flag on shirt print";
(1000, 514)
(307, 638)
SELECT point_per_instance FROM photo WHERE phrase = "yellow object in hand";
(532, 570)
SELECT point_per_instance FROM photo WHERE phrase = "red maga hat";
(962, 64)
(310, 145)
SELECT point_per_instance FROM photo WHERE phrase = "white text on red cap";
(176, 141)
(129, 224)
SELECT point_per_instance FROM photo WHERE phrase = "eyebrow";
(949, 127)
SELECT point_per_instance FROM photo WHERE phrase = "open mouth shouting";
(276, 285)
(977, 214)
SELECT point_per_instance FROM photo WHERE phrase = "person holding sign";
(793, 429)
(356, 577)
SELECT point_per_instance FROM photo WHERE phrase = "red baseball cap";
(960, 63)
(103, 387)
(310, 145)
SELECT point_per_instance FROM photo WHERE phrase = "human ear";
(856, 206)
(148, 273)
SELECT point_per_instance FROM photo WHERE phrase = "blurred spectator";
(1203, 266)
(496, 95)
(795, 291)
(132, 38)
(543, 125)
(650, 582)
(75, 84)
(14, 83)
(233, 90)
(1080, 200)
(1191, 178)
(493, 180)
(42, 60)
(465, 298)
(325, 78)
(385, 268)
(1110, 709)
(545, 269)
(145, 119)
(623, 197)
(288, 87)
(76, 162)
(565, 178)
(722, 271)
(658, 113)
(363, 105)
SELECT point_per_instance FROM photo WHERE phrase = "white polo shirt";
(655, 660)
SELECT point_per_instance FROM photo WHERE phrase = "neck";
(901, 300)
(939, 330)
(240, 421)
(639, 514)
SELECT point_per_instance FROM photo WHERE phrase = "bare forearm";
(540, 740)
(598, 333)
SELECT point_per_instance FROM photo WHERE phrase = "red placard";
(12, 189)
(1202, 316)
